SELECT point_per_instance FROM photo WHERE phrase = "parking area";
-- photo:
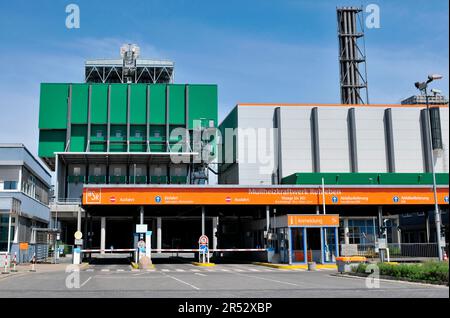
(189, 281)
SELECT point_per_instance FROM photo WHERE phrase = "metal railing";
(402, 250)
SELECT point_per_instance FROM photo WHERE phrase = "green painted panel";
(99, 104)
(118, 104)
(119, 147)
(98, 133)
(78, 139)
(202, 103)
(399, 178)
(138, 104)
(158, 148)
(177, 101)
(441, 178)
(53, 106)
(138, 147)
(80, 95)
(118, 133)
(158, 104)
(51, 141)
(157, 133)
(98, 147)
(357, 178)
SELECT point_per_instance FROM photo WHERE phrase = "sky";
(280, 51)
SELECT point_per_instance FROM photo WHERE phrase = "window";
(117, 171)
(420, 213)
(76, 171)
(361, 231)
(99, 133)
(138, 134)
(97, 171)
(157, 134)
(118, 133)
(10, 185)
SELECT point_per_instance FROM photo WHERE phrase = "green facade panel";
(99, 103)
(157, 104)
(78, 139)
(177, 104)
(366, 178)
(80, 96)
(138, 104)
(202, 103)
(118, 104)
(51, 141)
(53, 106)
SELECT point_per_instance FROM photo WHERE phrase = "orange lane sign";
(312, 220)
(259, 196)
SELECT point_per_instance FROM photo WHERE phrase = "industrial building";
(296, 182)
(24, 198)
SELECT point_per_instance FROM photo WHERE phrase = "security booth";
(303, 238)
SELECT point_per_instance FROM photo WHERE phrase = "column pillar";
(141, 214)
(346, 237)
(203, 220)
(427, 225)
(79, 219)
(215, 224)
(103, 234)
(267, 225)
(159, 233)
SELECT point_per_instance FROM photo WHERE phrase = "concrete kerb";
(290, 267)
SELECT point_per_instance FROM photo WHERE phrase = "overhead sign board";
(78, 242)
(261, 196)
(313, 220)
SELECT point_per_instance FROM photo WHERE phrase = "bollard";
(14, 270)
(5, 269)
(33, 262)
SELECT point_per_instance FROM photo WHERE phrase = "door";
(329, 246)
(298, 245)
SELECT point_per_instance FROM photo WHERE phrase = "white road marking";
(120, 270)
(253, 269)
(105, 270)
(86, 281)
(195, 270)
(150, 270)
(180, 270)
(225, 270)
(165, 270)
(268, 279)
(200, 274)
(182, 281)
(90, 270)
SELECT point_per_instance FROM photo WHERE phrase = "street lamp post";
(423, 87)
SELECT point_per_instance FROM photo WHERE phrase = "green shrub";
(429, 271)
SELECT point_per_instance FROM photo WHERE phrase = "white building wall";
(256, 152)
(370, 139)
(333, 139)
(407, 139)
(442, 162)
(296, 140)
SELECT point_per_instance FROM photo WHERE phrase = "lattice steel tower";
(352, 56)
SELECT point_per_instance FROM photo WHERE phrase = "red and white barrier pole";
(33, 262)
(14, 263)
(6, 269)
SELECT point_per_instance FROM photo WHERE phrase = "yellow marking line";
(203, 264)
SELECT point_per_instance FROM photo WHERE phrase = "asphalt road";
(221, 281)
